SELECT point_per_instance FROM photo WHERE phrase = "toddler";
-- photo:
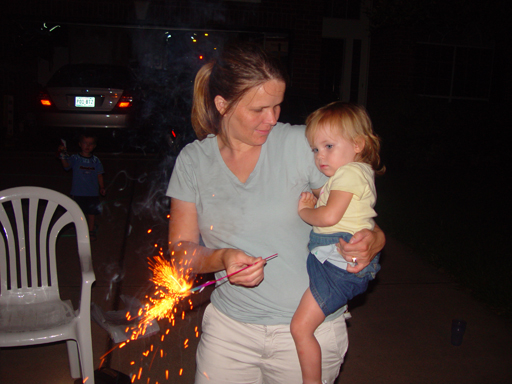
(347, 151)
(87, 182)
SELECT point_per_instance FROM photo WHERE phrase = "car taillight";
(45, 100)
(126, 101)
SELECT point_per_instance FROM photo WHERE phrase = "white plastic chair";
(31, 310)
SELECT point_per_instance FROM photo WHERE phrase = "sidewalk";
(399, 331)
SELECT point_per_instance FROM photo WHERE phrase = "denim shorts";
(333, 287)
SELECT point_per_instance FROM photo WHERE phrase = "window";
(452, 71)
(355, 74)
(343, 9)
(331, 68)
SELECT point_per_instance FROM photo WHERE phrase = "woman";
(234, 196)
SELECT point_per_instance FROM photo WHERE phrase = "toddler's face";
(332, 150)
(87, 145)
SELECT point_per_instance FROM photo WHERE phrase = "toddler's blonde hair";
(352, 122)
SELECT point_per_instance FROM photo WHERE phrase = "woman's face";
(252, 119)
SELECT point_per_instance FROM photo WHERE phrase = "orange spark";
(171, 285)
(105, 355)
(181, 371)
(149, 230)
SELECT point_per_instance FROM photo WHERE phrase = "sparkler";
(171, 286)
(203, 286)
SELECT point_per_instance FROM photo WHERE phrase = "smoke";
(154, 203)
(165, 66)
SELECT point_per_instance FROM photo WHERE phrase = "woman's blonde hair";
(239, 68)
(352, 122)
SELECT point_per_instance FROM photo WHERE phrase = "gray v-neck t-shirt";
(259, 217)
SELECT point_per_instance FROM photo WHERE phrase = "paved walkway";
(399, 332)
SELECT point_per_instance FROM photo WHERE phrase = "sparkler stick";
(203, 286)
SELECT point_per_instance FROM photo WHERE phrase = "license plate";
(84, 101)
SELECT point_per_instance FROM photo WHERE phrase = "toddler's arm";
(327, 215)
(101, 183)
(64, 156)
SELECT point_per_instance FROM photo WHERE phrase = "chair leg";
(74, 361)
(86, 357)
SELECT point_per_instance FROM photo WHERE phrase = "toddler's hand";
(307, 200)
(62, 152)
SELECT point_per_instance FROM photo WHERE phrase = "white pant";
(242, 353)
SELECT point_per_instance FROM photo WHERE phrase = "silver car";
(88, 96)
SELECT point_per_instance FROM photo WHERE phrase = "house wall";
(391, 64)
(301, 19)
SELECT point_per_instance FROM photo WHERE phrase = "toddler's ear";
(359, 144)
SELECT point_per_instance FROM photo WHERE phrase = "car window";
(91, 75)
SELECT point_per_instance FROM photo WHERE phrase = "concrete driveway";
(399, 332)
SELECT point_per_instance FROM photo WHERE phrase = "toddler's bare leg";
(305, 321)
(90, 222)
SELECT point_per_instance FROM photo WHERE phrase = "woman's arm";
(363, 246)
(184, 247)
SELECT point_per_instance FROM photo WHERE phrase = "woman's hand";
(362, 247)
(184, 248)
(234, 260)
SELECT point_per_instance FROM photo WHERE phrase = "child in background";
(87, 182)
(347, 151)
